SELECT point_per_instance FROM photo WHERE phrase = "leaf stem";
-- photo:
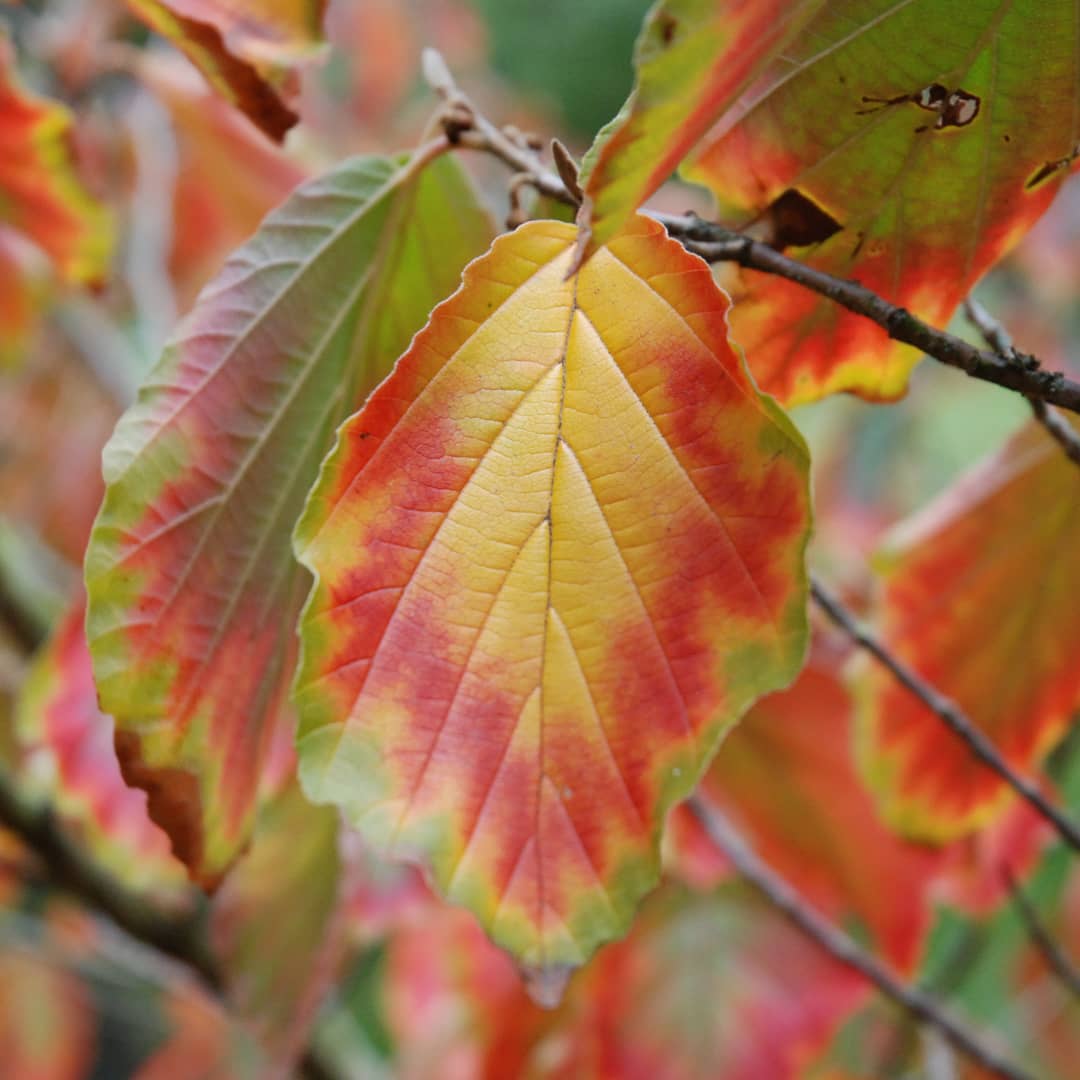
(841, 947)
(949, 713)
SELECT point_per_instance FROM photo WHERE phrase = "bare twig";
(996, 336)
(1052, 952)
(949, 713)
(467, 127)
(717, 244)
(839, 945)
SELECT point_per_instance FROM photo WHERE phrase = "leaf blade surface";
(191, 581)
(558, 553)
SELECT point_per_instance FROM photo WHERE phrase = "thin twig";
(843, 948)
(467, 127)
(1052, 952)
(949, 713)
(997, 338)
(1029, 378)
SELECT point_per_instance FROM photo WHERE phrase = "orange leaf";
(980, 598)
(249, 50)
(787, 777)
(912, 170)
(47, 219)
(558, 552)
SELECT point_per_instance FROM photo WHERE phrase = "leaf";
(693, 59)
(191, 581)
(68, 757)
(558, 553)
(277, 925)
(248, 50)
(44, 208)
(836, 155)
(980, 599)
(787, 777)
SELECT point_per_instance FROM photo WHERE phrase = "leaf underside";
(193, 590)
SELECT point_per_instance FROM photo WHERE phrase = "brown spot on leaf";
(795, 220)
(666, 26)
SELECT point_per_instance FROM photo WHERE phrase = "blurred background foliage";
(186, 180)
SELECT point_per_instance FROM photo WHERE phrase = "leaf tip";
(546, 985)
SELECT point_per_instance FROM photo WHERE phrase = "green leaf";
(193, 590)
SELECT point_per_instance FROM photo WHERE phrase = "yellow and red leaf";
(192, 586)
(911, 170)
(558, 553)
(980, 598)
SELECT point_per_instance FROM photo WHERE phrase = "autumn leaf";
(558, 553)
(786, 776)
(249, 50)
(693, 60)
(277, 924)
(979, 598)
(49, 224)
(191, 581)
(911, 170)
(68, 759)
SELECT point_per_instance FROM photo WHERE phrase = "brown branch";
(467, 127)
(841, 947)
(949, 713)
(997, 338)
(1053, 954)
(717, 244)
